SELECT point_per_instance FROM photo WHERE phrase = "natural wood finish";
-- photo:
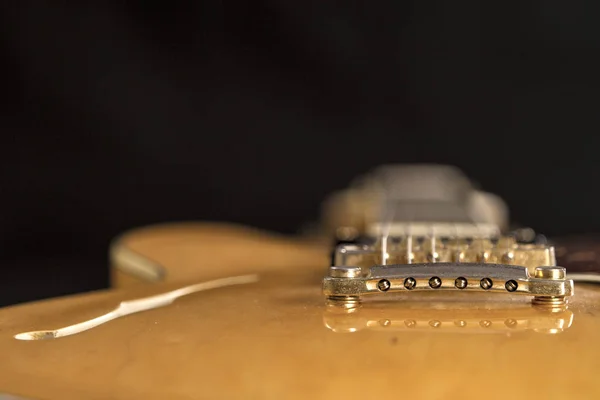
(268, 340)
(196, 250)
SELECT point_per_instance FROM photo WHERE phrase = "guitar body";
(277, 339)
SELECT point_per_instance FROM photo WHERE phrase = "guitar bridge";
(502, 266)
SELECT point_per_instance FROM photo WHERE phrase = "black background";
(115, 116)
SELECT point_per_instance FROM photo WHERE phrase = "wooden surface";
(190, 251)
(275, 339)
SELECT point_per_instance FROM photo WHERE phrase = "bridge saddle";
(418, 264)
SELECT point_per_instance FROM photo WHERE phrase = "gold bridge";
(417, 264)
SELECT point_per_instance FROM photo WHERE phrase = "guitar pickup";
(523, 270)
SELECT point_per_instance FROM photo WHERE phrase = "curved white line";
(135, 306)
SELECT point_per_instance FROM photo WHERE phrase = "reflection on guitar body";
(463, 318)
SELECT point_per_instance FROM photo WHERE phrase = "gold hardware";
(511, 285)
(508, 257)
(551, 274)
(383, 285)
(410, 283)
(461, 282)
(435, 282)
(344, 272)
(548, 285)
(415, 250)
(486, 283)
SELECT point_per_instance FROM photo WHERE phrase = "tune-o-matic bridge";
(482, 265)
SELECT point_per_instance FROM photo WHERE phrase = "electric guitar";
(416, 285)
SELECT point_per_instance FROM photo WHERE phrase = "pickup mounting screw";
(383, 285)
(486, 283)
